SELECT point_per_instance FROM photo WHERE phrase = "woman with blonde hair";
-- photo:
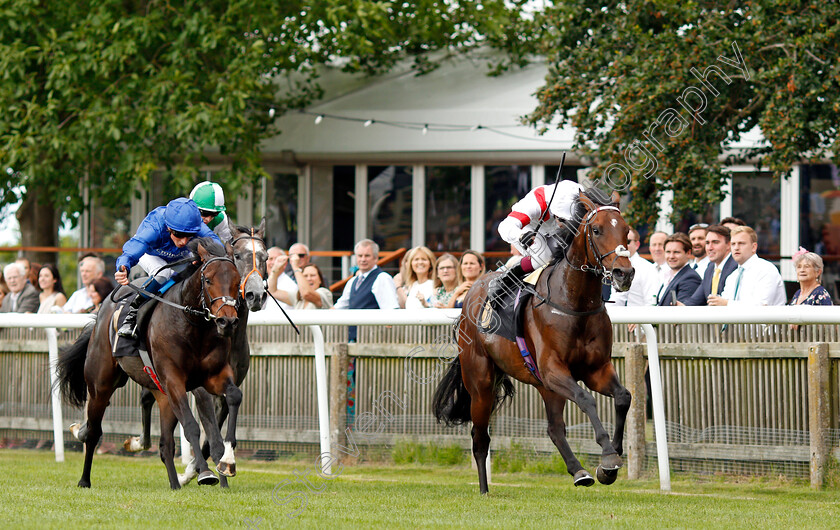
(472, 266)
(417, 279)
(448, 278)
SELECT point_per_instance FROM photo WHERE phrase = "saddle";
(504, 315)
(126, 346)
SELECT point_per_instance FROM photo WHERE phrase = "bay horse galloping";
(569, 334)
(250, 254)
(189, 345)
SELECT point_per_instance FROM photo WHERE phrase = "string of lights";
(424, 128)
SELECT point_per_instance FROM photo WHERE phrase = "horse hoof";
(207, 478)
(606, 477)
(133, 445)
(583, 478)
(74, 430)
(611, 462)
(226, 469)
(83, 484)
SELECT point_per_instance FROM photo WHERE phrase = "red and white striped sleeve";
(523, 213)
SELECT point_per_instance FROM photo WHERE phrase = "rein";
(599, 270)
(204, 312)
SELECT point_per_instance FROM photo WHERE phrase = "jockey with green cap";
(211, 203)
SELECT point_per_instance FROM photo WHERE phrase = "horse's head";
(250, 255)
(602, 237)
(219, 288)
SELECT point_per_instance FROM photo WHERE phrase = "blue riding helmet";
(182, 215)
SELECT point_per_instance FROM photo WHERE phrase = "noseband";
(600, 269)
(226, 300)
(254, 269)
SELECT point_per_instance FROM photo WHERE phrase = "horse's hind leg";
(91, 430)
(554, 405)
(144, 441)
(479, 383)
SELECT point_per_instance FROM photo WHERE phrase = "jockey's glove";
(527, 239)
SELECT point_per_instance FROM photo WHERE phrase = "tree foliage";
(113, 92)
(616, 66)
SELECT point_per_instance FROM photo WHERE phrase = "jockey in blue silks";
(161, 239)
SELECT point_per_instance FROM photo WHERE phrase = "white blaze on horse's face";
(614, 222)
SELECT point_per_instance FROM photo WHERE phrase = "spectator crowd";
(710, 265)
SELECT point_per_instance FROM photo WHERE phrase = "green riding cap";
(209, 196)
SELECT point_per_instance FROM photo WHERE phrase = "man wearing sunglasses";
(210, 199)
(161, 239)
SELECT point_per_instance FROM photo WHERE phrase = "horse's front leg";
(558, 379)
(213, 446)
(177, 394)
(605, 381)
(554, 405)
(223, 384)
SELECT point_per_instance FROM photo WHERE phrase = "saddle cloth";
(504, 316)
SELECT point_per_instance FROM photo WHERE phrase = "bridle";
(254, 268)
(206, 311)
(619, 252)
(599, 269)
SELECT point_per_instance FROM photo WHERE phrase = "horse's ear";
(586, 200)
(229, 250)
(261, 229)
(202, 252)
(234, 233)
(615, 199)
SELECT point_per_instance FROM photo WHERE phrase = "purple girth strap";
(523, 348)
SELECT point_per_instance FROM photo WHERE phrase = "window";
(448, 208)
(819, 226)
(389, 200)
(503, 186)
(756, 198)
(281, 210)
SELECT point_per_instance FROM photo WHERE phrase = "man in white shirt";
(281, 273)
(657, 254)
(371, 288)
(699, 260)
(645, 281)
(756, 281)
(90, 268)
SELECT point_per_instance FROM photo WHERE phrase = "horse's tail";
(71, 369)
(451, 403)
(504, 388)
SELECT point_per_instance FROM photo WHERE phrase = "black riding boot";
(129, 327)
(507, 282)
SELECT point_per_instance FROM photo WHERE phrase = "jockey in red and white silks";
(520, 225)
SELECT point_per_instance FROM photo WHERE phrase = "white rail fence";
(646, 317)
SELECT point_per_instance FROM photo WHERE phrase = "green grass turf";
(37, 492)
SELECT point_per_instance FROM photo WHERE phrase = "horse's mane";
(209, 244)
(242, 228)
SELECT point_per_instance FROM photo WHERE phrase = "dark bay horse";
(570, 337)
(189, 346)
(250, 254)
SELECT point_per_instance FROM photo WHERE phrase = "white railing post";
(323, 398)
(658, 408)
(58, 427)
